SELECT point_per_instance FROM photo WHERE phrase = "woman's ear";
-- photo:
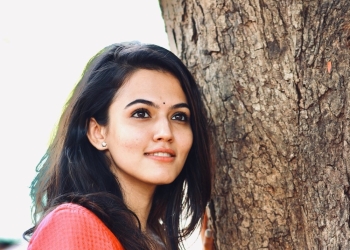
(96, 134)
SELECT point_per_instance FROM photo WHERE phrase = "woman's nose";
(163, 131)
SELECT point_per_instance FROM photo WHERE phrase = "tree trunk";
(275, 80)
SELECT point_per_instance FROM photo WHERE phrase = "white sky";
(44, 46)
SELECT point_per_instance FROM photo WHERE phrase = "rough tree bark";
(275, 79)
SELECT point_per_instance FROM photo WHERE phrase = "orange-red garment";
(71, 226)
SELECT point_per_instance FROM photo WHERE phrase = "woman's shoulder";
(73, 213)
(70, 226)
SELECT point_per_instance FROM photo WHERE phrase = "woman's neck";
(138, 199)
(140, 204)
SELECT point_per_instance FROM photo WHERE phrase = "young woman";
(130, 160)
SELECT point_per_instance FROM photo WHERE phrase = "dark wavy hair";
(72, 170)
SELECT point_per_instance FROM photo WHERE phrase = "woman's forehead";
(152, 84)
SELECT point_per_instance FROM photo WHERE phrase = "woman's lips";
(160, 151)
(161, 154)
(166, 155)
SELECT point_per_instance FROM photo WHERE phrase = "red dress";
(71, 226)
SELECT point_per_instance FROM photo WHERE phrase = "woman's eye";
(180, 117)
(141, 113)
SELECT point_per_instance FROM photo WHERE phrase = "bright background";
(44, 46)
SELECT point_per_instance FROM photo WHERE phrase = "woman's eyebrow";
(149, 103)
(180, 105)
(152, 104)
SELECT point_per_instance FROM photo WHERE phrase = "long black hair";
(72, 170)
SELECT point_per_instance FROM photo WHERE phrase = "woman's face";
(149, 135)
